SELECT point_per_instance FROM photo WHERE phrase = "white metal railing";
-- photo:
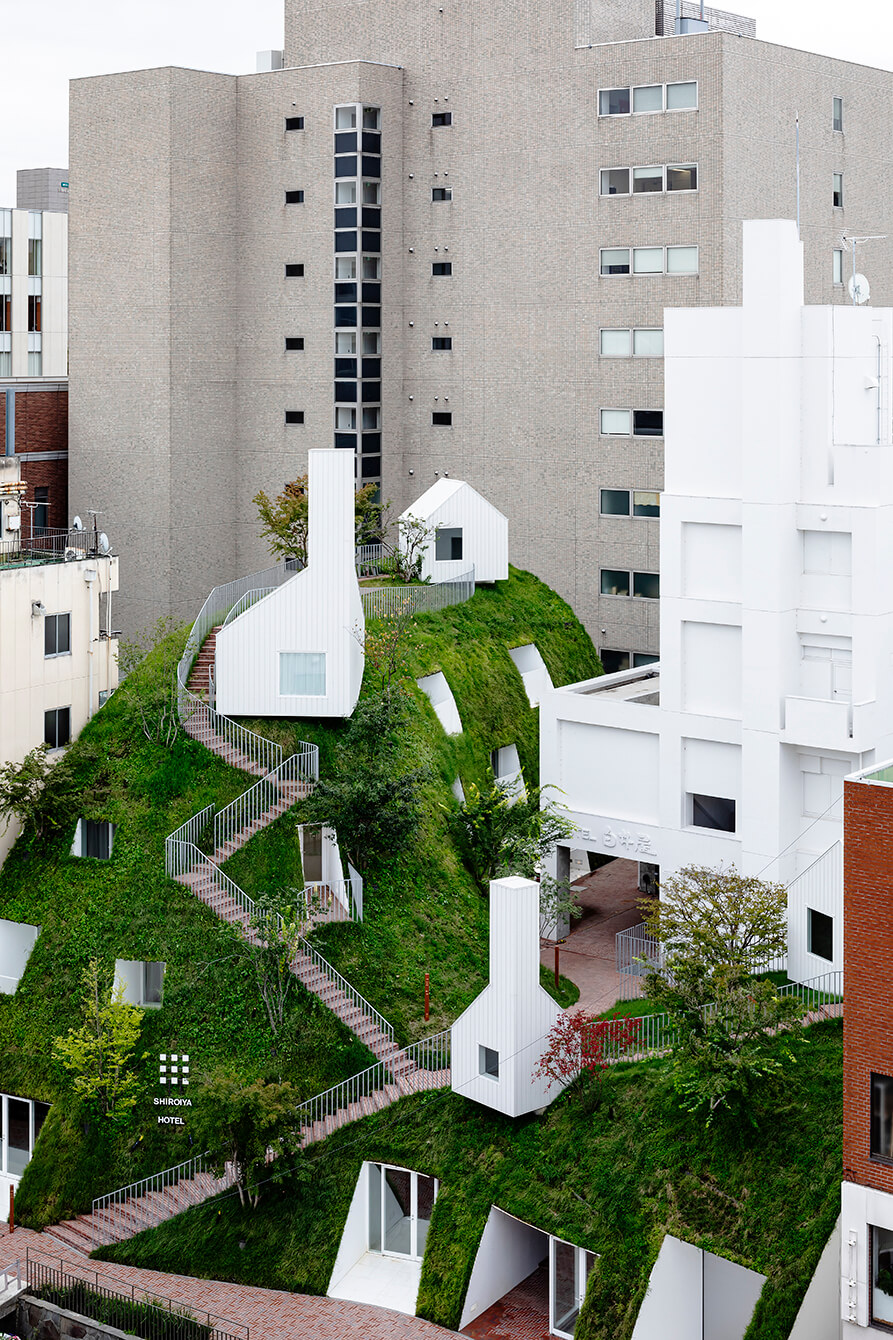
(292, 779)
(246, 601)
(311, 958)
(384, 602)
(197, 715)
(151, 1201)
(656, 1033)
(637, 953)
(331, 901)
(425, 1065)
(370, 558)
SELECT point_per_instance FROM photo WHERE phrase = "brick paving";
(609, 897)
(521, 1314)
(269, 1313)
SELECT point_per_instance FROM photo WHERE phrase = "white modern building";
(776, 618)
(468, 532)
(498, 1040)
(297, 651)
(58, 658)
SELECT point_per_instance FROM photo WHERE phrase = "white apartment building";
(33, 294)
(58, 660)
(776, 544)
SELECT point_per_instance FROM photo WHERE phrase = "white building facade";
(776, 613)
(58, 660)
(33, 293)
(467, 532)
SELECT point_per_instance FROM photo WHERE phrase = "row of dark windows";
(295, 269)
(439, 418)
(438, 119)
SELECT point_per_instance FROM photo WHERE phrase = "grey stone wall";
(38, 1320)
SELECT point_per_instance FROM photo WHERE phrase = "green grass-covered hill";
(613, 1175)
(422, 910)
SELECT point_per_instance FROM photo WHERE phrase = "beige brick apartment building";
(443, 235)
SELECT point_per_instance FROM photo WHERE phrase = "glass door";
(569, 1268)
(400, 1205)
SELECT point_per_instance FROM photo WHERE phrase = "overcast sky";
(47, 42)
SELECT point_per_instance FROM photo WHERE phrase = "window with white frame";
(648, 98)
(647, 180)
(345, 418)
(488, 1061)
(142, 982)
(441, 193)
(881, 1265)
(21, 1120)
(630, 502)
(819, 934)
(345, 267)
(638, 342)
(345, 343)
(302, 674)
(57, 635)
(837, 113)
(345, 193)
(717, 812)
(837, 190)
(675, 260)
(837, 266)
(631, 422)
(620, 582)
(94, 838)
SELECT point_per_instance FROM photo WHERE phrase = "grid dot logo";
(173, 1068)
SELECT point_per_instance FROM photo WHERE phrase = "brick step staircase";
(133, 1215)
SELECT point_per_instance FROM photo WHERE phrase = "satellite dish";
(858, 288)
(104, 545)
(77, 524)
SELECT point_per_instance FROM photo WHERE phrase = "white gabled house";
(498, 1040)
(297, 651)
(776, 608)
(469, 532)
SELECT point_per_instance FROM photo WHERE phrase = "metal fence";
(246, 601)
(286, 784)
(50, 546)
(371, 559)
(113, 1302)
(151, 1201)
(654, 1034)
(637, 952)
(386, 602)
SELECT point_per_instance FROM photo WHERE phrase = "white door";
(400, 1205)
(569, 1268)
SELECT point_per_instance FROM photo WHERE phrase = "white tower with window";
(776, 618)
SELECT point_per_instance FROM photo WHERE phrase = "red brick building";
(39, 437)
(867, 1201)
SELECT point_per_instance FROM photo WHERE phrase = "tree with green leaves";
(716, 928)
(506, 833)
(244, 1126)
(374, 799)
(37, 792)
(277, 927)
(415, 536)
(285, 519)
(98, 1056)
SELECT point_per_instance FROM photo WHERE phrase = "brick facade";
(868, 949)
(41, 417)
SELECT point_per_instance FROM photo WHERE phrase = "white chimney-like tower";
(498, 1040)
(298, 651)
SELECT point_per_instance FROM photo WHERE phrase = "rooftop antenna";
(858, 285)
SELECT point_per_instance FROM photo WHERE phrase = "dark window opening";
(448, 544)
(294, 341)
(57, 635)
(57, 727)
(439, 193)
(881, 1117)
(615, 502)
(345, 316)
(713, 812)
(346, 167)
(371, 166)
(441, 118)
(40, 515)
(345, 392)
(489, 1062)
(293, 270)
(345, 241)
(648, 422)
(614, 582)
(370, 467)
(442, 342)
(441, 267)
(345, 367)
(442, 418)
(96, 839)
(294, 123)
(345, 292)
(294, 416)
(294, 197)
(612, 661)
(819, 933)
(646, 585)
(346, 218)
(346, 142)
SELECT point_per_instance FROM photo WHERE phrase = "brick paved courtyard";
(270, 1314)
(521, 1314)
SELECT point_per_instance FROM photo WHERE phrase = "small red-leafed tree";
(580, 1045)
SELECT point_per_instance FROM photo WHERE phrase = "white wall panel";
(451, 504)
(711, 669)
(711, 558)
(604, 770)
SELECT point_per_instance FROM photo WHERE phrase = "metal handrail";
(48, 1274)
(247, 600)
(289, 781)
(386, 601)
(14, 1270)
(143, 1204)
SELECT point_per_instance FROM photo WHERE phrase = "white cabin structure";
(498, 1040)
(469, 532)
(776, 608)
(298, 650)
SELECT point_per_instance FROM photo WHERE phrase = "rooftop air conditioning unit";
(72, 554)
